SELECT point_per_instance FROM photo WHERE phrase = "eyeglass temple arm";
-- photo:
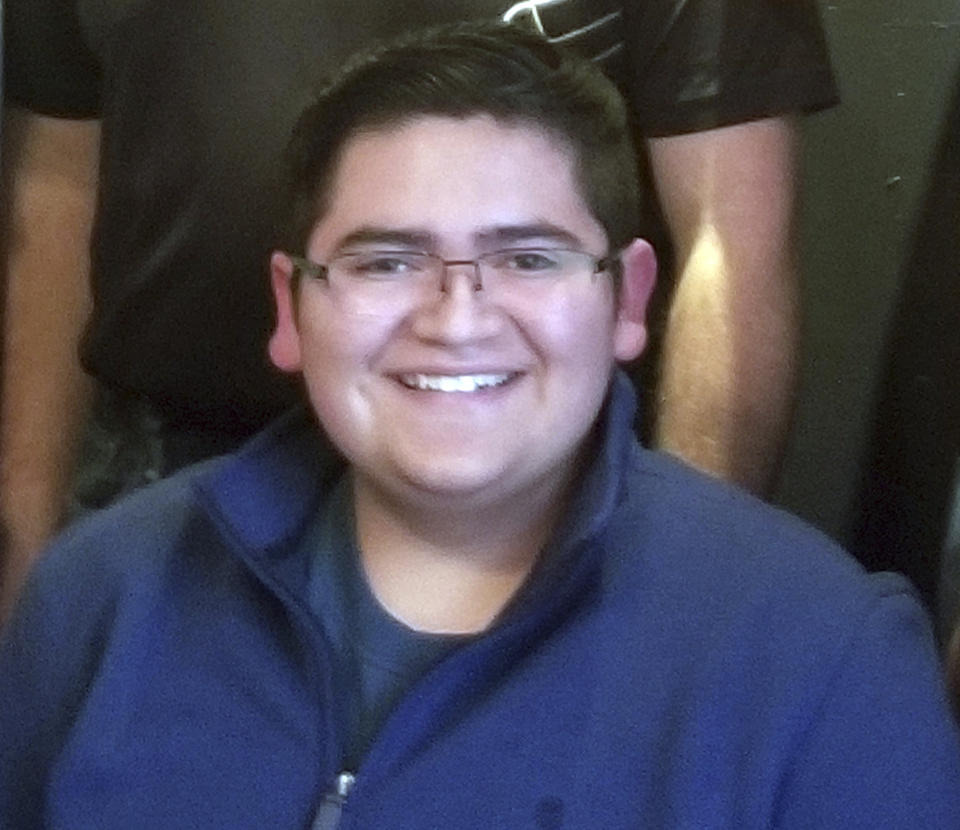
(305, 266)
(611, 263)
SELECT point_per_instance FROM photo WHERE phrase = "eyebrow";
(547, 231)
(490, 237)
(396, 237)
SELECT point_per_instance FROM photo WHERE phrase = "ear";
(284, 344)
(638, 265)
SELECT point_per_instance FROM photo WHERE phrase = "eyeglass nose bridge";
(447, 264)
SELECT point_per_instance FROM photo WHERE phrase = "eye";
(383, 265)
(530, 262)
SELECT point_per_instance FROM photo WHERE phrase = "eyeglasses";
(377, 281)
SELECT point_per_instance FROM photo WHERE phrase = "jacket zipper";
(331, 808)
(329, 812)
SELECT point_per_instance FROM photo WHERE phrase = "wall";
(866, 170)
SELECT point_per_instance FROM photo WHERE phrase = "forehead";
(452, 178)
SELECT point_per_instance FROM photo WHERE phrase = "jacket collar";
(263, 495)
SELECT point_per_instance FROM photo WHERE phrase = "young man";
(178, 190)
(466, 598)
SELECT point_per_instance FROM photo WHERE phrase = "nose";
(460, 312)
(467, 266)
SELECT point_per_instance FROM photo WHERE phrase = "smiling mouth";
(455, 383)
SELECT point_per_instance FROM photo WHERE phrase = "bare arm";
(50, 186)
(729, 354)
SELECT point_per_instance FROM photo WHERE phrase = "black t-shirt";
(197, 99)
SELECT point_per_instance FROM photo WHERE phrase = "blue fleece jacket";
(684, 657)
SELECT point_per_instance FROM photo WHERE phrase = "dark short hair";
(496, 69)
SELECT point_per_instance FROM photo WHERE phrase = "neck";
(444, 569)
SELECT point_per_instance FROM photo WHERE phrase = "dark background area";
(873, 270)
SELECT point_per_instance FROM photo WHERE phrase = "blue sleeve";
(883, 750)
(48, 658)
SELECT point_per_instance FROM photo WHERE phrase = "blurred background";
(880, 232)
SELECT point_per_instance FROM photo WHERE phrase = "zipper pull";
(328, 814)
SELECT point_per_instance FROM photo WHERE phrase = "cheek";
(337, 361)
(332, 342)
(578, 331)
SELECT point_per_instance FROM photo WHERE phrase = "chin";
(454, 482)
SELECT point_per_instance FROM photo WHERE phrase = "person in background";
(453, 590)
(159, 126)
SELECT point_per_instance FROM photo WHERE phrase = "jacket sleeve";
(48, 658)
(883, 749)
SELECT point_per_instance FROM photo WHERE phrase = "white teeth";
(452, 383)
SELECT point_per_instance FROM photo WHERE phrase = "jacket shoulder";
(114, 555)
(717, 547)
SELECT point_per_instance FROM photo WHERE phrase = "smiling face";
(461, 398)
